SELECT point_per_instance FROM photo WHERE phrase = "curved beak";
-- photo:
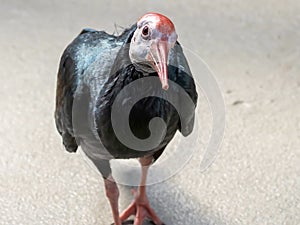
(158, 57)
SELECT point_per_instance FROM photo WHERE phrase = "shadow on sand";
(173, 204)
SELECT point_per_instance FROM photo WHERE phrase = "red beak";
(159, 57)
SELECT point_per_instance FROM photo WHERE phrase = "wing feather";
(88, 56)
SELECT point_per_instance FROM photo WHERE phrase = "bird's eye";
(145, 31)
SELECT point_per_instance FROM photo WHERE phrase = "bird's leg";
(140, 206)
(112, 193)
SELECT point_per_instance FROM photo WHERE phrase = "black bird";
(98, 69)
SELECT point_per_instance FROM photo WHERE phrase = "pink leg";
(112, 193)
(140, 206)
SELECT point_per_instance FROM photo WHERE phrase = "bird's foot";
(140, 207)
(128, 222)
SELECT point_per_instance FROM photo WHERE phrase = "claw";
(140, 207)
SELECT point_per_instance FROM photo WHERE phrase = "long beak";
(159, 57)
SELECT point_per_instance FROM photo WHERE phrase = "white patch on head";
(140, 45)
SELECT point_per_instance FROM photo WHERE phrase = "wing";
(183, 77)
(88, 50)
(75, 60)
(66, 86)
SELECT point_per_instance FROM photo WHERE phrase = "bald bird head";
(151, 43)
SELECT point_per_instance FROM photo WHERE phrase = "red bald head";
(151, 43)
(163, 24)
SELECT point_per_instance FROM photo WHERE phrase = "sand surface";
(253, 47)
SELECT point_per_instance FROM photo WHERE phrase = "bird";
(98, 69)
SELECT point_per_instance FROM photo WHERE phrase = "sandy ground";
(253, 47)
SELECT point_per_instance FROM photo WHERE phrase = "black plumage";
(73, 77)
(93, 70)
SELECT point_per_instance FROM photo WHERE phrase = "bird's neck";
(123, 73)
(144, 68)
(125, 70)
